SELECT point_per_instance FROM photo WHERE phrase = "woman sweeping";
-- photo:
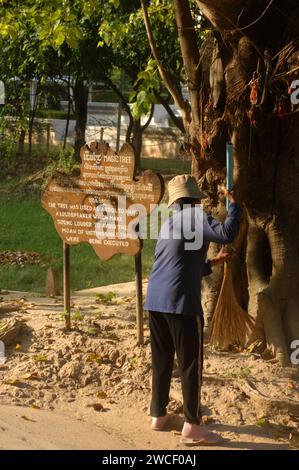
(174, 301)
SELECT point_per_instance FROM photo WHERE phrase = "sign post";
(229, 168)
(67, 285)
(103, 207)
(139, 299)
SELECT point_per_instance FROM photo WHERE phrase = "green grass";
(164, 166)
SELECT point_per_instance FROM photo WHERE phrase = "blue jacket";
(175, 282)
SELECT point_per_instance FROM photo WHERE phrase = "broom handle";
(229, 169)
(229, 178)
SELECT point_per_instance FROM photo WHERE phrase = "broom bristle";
(230, 324)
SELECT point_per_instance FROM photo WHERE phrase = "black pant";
(182, 334)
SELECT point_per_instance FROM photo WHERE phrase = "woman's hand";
(228, 194)
(223, 256)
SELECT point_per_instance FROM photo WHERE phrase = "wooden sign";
(103, 205)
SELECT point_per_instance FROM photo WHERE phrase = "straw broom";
(230, 324)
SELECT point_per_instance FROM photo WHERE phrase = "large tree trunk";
(266, 152)
(81, 105)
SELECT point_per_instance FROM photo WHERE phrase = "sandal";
(159, 423)
(208, 439)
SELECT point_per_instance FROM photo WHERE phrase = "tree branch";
(177, 121)
(190, 52)
(147, 123)
(175, 93)
(117, 91)
(224, 15)
(123, 100)
(216, 11)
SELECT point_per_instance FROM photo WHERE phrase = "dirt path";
(90, 388)
(28, 429)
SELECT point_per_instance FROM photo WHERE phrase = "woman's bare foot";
(194, 434)
(159, 423)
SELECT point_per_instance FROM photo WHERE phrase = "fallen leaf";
(94, 358)
(28, 419)
(98, 407)
(31, 376)
(40, 358)
(254, 346)
(14, 381)
(113, 336)
(263, 421)
(92, 331)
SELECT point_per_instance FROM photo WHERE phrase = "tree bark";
(81, 109)
(21, 143)
(266, 152)
(137, 136)
(136, 140)
(32, 117)
(69, 108)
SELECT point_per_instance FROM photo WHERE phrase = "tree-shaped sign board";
(105, 203)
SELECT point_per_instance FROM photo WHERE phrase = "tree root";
(10, 331)
(9, 307)
(247, 387)
(250, 390)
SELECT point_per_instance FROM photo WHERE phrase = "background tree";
(51, 41)
(123, 31)
(58, 41)
(31, 34)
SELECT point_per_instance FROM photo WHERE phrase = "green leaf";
(115, 3)
(262, 421)
(59, 40)
(132, 95)
(40, 358)
(141, 97)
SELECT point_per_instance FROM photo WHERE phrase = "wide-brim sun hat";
(183, 186)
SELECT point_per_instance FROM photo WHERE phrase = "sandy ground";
(90, 388)
(29, 429)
